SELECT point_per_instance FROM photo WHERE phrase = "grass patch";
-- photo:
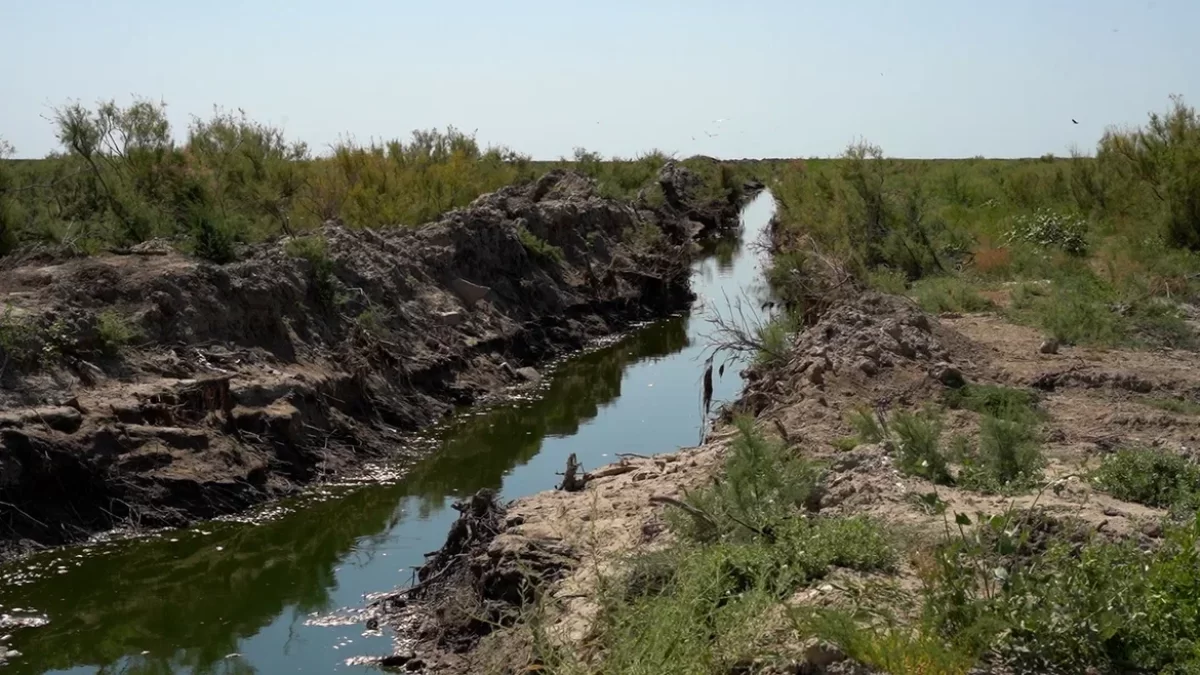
(1179, 406)
(949, 294)
(114, 330)
(1150, 476)
(994, 400)
(890, 648)
(538, 247)
(866, 425)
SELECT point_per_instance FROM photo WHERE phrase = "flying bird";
(1073, 121)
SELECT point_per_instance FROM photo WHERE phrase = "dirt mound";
(151, 389)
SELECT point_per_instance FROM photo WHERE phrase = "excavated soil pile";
(152, 389)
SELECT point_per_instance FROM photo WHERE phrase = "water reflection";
(222, 582)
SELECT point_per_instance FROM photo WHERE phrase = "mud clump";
(152, 390)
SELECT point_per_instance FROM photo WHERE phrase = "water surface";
(268, 593)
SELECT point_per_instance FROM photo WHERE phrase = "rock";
(1152, 529)
(469, 293)
(59, 418)
(867, 366)
(397, 660)
(816, 374)
(530, 374)
(948, 375)
(1049, 346)
(821, 655)
(452, 318)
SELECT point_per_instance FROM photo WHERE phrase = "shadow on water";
(233, 597)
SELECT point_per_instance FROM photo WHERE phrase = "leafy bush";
(701, 605)
(1061, 608)
(1150, 476)
(1050, 229)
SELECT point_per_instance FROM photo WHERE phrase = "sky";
(789, 78)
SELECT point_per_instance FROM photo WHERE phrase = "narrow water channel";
(268, 593)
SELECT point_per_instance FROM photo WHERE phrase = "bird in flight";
(1073, 121)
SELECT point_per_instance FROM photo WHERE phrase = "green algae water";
(277, 590)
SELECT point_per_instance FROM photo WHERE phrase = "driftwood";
(572, 480)
(700, 516)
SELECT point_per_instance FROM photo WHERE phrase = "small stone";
(822, 655)
(868, 367)
(452, 318)
(948, 375)
(1049, 346)
(816, 374)
(397, 659)
(1152, 529)
(529, 374)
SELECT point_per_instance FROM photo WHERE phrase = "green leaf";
(962, 519)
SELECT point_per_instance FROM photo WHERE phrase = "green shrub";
(1064, 606)
(114, 330)
(763, 485)
(315, 251)
(918, 437)
(21, 341)
(539, 247)
(1047, 228)
(994, 400)
(1009, 456)
(212, 239)
(948, 294)
(702, 605)
(1150, 476)
(866, 426)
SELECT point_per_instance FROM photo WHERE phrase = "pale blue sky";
(936, 78)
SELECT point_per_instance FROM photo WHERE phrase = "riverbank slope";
(152, 389)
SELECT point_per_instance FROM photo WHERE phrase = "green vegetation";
(993, 591)
(1181, 406)
(315, 250)
(538, 247)
(995, 400)
(113, 331)
(947, 294)
(866, 427)
(1092, 249)
(1008, 458)
(1150, 476)
(918, 437)
(123, 176)
(745, 544)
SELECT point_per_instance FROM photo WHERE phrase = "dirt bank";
(151, 389)
(544, 558)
